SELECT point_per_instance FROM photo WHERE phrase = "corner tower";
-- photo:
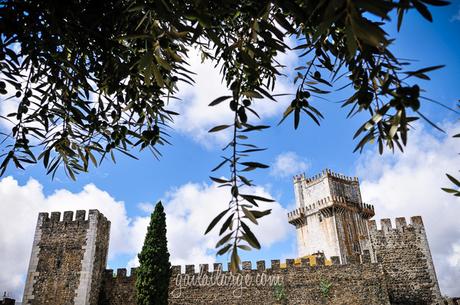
(68, 259)
(330, 216)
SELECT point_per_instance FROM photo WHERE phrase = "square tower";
(330, 216)
(68, 259)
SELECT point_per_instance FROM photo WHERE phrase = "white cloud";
(409, 184)
(146, 207)
(196, 117)
(456, 17)
(8, 105)
(289, 164)
(454, 259)
(20, 205)
(189, 209)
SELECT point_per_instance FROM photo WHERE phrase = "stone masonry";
(370, 266)
(361, 284)
(330, 216)
(68, 259)
(405, 255)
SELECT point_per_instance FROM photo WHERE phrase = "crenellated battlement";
(295, 215)
(401, 225)
(325, 173)
(299, 177)
(261, 266)
(402, 248)
(360, 284)
(67, 217)
(120, 274)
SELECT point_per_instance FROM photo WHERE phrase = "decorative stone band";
(276, 265)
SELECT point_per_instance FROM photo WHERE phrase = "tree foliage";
(154, 271)
(455, 190)
(96, 77)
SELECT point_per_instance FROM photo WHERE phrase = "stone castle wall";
(401, 273)
(118, 288)
(358, 284)
(68, 259)
(405, 256)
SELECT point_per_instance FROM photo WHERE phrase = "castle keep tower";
(68, 259)
(330, 216)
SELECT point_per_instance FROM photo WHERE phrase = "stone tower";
(330, 216)
(405, 254)
(68, 259)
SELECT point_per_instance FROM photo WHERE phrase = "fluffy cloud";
(409, 184)
(19, 209)
(196, 117)
(454, 259)
(288, 164)
(189, 209)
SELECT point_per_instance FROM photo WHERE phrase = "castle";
(343, 259)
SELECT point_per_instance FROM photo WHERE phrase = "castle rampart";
(344, 259)
(69, 257)
(118, 288)
(358, 284)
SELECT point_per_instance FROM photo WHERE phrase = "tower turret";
(330, 216)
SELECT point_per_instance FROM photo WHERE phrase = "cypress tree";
(154, 271)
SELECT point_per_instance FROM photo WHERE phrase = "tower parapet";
(325, 173)
(297, 216)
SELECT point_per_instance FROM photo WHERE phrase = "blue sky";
(129, 188)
